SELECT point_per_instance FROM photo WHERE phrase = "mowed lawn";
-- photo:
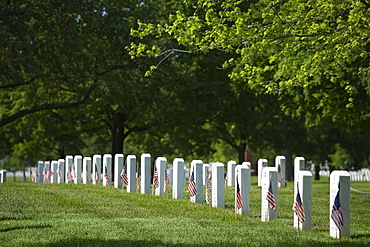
(34, 214)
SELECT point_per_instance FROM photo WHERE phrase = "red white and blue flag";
(298, 207)
(270, 197)
(123, 175)
(138, 180)
(106, 176)
(336, 212)
(209, 188)
(192, 186)
(280, 174)
(87, 174)
(239, 199)
(166, 183)
(155, 179)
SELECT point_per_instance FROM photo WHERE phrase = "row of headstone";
(213, 176)
(360, 175)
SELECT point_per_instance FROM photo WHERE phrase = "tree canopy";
(313, 54)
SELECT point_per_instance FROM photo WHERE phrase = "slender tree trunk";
(241, 150)
(118, 135)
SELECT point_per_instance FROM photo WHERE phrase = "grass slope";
(92, 215)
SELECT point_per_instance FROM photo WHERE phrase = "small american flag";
(31, 177)
(166, 183)
(280, 174)
(336, 212)
(37, 176)
(106, 176)
(59, 171)
(96, 174)
(209, 188)
(69, 175)
(124, 176)
(138, 180)
(45, 174)
(239, 200)
(155, 179)
(87, 175)
(298, 207)
(50, 173)
(192, 186)
(73, 172)
(270, 197)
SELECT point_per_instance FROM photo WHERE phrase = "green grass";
(89, 215)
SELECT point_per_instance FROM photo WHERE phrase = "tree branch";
(42, 107)
(17, 84)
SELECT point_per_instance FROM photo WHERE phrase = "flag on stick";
(280, 174)
(106, 176)
(45, 174)
(298, 207)
(336, 212)
(192, 186)
(50, 173)
(96, 174)
(166, 183)
(209, 188)
(239, 200)
(87, 175)
(270, 197)
(31, 177)
(138, 180)
(155, 178)
(124, 176)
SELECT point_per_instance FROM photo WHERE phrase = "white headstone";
(86, 173)
(131, 173)
(96, 169)
(262, 163)
(242, 179)
(160, 165)
(78, 168)
(298, 166)
(118, 165)
(340, 181)
(231, 173)
(218, 185)
(145, 173)
(280, 166)
(269, 176)
(61, 171)
(54, 170)
(250, 170)
(107, 169)
(68, 170)
(205, 172)
(40, 171)
(305, 191)
(46, 171)
(178, 179)
(170, 175)
(197, 167)
(3, 176)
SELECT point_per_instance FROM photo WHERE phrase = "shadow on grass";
(23, 227)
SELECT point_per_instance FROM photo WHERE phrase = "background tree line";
(196, 80)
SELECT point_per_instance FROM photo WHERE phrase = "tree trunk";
(118, 135)
(241, 150)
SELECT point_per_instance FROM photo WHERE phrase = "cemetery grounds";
(33, 214)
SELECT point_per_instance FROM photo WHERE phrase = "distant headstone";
(107, 169)
(96, 169)
(69, 164)
(249, 165)
(118, 165)
(340, 202)
(304, 182)
(40, 171)
(145, 173)
(131, 173)
(197, 168)
(262, 163)
(3, 176)
(280, 166)
(178, 179)
(269, 204)
(54, 170)
(61, 172)
(231, 173)
(78, 168)
(160, 164)
(242, 182)
(86, 167)
(218, 185)
(170, 175)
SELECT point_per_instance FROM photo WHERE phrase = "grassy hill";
(92, 215)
